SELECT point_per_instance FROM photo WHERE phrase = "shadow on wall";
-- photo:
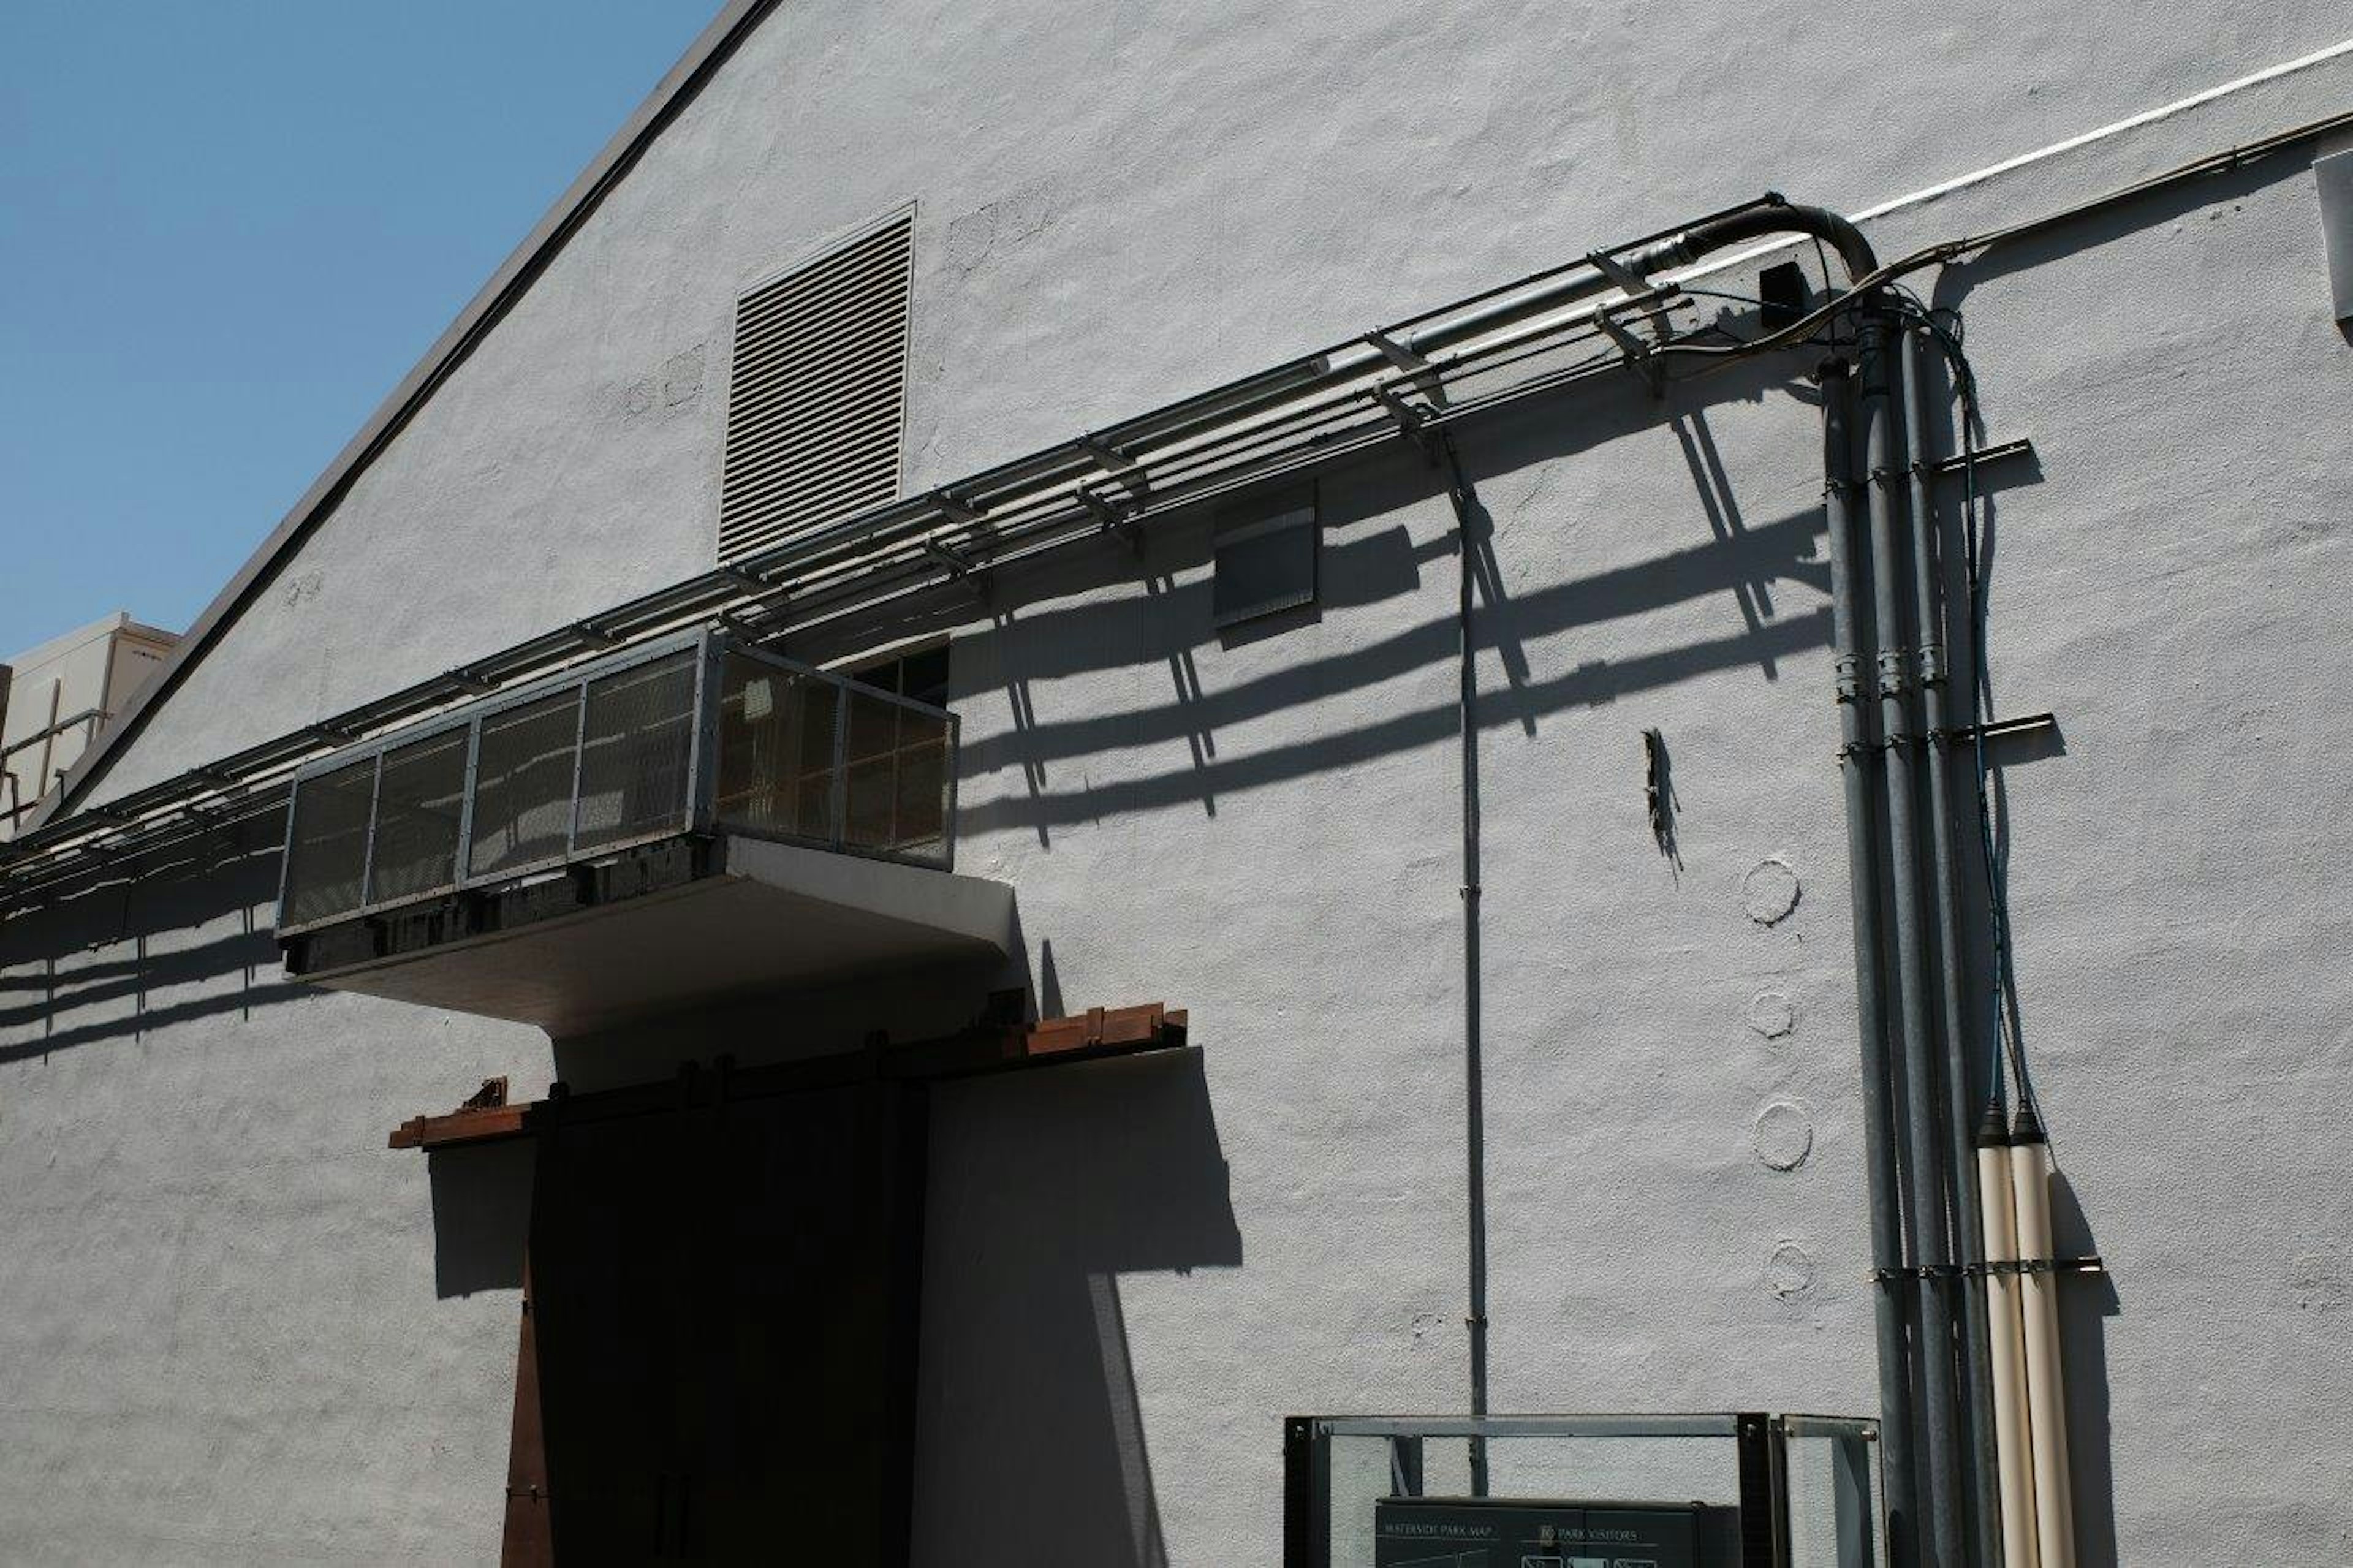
(1714, 553)
(2087, 1302)
(481, 1216)
(1047, 1187)
(181, 935)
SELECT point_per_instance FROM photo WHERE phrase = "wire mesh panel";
(614, 757)
(895, 769)
(869, 756)
(636, 752)
(775, 749)
(522, 784)
(418, 810)
(812, 756)
(326, 848)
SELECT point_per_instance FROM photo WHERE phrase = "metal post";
(462, 867)
(1458, 490)
(1307, 1495)
(1981, 1473)
(579, 762)
(1924, 1203)
(1870, 991)
(367, 842)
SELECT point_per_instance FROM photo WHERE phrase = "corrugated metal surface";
(816, 398)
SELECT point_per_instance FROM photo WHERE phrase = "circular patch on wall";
(1770, 891)
(1789, 1270)
(1772, 1014)
(1785, 1135)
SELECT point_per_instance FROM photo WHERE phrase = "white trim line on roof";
(2131, 122)
(2008, 166)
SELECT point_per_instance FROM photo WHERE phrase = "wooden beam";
(1087, 1036)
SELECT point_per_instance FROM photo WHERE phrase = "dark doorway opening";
(723, 1311)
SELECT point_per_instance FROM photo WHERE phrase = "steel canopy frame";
(1308, 412)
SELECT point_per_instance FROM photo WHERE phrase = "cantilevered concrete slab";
(772, 916)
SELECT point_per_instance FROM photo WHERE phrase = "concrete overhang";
(768, 916)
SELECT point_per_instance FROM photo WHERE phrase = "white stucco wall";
(236, 1328)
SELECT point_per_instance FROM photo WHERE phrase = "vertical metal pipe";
(1870, 991)
(1466, 503)
(1924, 1204)
(1981, 1473)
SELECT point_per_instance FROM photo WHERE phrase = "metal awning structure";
(984, 1047)
(728, 917)
(669, 826)
(1534, 335)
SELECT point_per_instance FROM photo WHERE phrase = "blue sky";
(228, 227)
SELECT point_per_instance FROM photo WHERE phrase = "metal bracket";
(1395, 353)
(1983, 457)
(467, 680)
(1114, 521)
(1638, 352)
(1105, 453)
(1894, 671)
(1617, 272)
(2091, 1263)
(959, 563)
(1413, 419)
(962, 513)
(1996, 729)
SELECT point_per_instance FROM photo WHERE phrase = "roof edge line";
(678, 88)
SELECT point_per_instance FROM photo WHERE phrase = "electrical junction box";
(1510, 1532)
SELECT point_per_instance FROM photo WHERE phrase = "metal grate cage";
(690, 734)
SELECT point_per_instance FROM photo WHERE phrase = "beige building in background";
(54, 698)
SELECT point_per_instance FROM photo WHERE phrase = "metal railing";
(695, 733)
(1732, 1490)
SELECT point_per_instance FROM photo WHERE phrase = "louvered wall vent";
(816, 398)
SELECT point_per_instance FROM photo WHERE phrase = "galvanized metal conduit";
(1466, 503)
(856, 542)
(1931, 669)
(871, 581)
(1856, 754)
(1924, 1166)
